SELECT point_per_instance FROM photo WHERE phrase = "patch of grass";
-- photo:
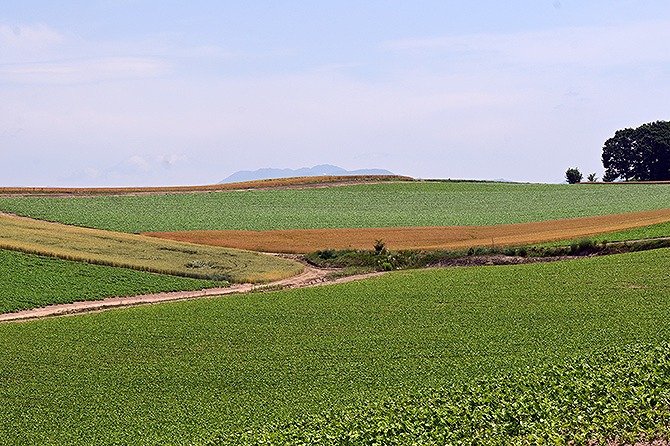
(359, 206)
(141, 253)
(184, 372)
(30, 281)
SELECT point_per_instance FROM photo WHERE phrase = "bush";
(573, 175)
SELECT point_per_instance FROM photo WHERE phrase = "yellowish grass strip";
(141, 253)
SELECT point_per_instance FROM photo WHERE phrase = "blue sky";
(134, 92)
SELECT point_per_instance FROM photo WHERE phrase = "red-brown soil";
(426, 238)
(279, 183)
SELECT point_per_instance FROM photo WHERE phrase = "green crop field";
(367, 205)
(192, 371)
(619, 393)
(30, 281)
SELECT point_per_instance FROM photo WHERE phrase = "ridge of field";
(183, 372)
(399, 204)
(31, 281)
(254, 184)
(141, 253)
(424, 238)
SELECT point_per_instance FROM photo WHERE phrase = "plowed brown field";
(428, 238)
(275, 183)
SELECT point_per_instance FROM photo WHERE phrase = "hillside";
(316, 171)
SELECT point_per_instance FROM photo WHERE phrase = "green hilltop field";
(364, 205)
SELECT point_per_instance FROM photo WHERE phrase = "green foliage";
(573, 175)
(642, 153)
(371, 205)
(30, 281)
(620, 393)
(180, 373)
(379, 246)
(592, 178)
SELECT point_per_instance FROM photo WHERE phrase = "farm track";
(422, 238)
(310, 277)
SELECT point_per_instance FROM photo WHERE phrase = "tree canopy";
(642, 153)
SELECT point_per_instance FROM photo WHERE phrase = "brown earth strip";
(278, 183)
(425, 238)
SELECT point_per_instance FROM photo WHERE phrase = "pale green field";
(366, 205)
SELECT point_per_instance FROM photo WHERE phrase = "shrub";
(573, 175)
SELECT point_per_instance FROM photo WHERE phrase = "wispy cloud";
(28, 38)
(590, 46)
(83, 70)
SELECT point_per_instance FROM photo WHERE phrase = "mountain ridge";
(319, 170)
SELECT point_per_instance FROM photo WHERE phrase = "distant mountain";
(321, 170)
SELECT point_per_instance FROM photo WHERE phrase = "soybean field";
(359, 206)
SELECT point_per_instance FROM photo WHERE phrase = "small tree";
(380, 246)
(592, 177)
(573, 175)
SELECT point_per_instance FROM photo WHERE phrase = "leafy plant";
(379, 246)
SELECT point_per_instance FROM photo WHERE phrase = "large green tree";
(640, 154)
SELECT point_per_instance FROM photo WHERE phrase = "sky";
(148, 92)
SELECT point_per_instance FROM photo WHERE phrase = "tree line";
(634, 154)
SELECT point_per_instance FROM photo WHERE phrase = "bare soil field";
(425, 238)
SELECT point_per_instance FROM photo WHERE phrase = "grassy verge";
(645, 232)
(383, 259)
(619, 394)
(360, 206)
(141, 253)
(30, 281)
(184, 372)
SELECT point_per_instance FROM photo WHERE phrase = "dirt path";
(310, 277)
